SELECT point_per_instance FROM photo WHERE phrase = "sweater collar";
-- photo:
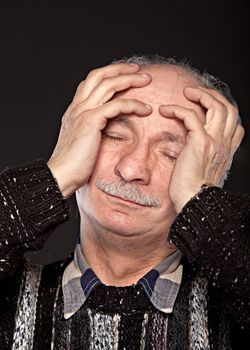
(161, 284)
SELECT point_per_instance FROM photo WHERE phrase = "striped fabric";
(26, 312)
(161, 284)
(114, 318)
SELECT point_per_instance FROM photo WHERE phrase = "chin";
(121, 224)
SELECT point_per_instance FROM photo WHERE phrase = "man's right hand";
(77, 148)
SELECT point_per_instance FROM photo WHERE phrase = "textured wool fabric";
(31, 206)
(212, 232)
(111, 317)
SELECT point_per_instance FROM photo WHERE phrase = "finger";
(190, 118)
(216, 111)
(232, 115)
(109, 86)
(100, 115)
(235, 143)
(237, 138)
(95, 76)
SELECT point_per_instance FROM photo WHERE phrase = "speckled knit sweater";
(212, 231)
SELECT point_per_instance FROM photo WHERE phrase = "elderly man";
(163, 256)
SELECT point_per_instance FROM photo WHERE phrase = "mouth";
(125, 201)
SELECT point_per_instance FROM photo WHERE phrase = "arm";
(213, 231)
(31, 202)
(31, 206)
(212, 227)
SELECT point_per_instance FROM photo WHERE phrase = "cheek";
(106, 161)
(160, 181)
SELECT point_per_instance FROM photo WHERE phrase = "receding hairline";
(178, 70)
(204, 78)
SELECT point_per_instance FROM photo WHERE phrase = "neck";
(122, 260)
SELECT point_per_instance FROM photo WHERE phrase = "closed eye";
(171, 156)
(114, 137)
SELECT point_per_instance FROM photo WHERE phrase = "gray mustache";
(132, 193)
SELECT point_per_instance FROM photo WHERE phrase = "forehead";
(166, 87)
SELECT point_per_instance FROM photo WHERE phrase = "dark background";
(47, 48)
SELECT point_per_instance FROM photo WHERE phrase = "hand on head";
(75, 154)
(210, 145)
(205, 158)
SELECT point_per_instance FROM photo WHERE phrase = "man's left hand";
(208, 153)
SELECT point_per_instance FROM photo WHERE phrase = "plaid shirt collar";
(161, 284)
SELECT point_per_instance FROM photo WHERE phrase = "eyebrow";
(174, 138)
(165, 135)
(121, 119)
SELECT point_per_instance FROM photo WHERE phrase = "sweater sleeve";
(213, 231)
(31, 206)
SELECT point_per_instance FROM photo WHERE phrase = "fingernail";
(148, 106)
(145, 75)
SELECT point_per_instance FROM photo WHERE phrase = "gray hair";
(131, 192)
(206, 79)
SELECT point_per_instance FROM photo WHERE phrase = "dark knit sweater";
(212, 231)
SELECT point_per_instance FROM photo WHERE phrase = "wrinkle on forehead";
(166, 87)
(169, 81)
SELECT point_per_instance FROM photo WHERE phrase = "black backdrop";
(48, 47)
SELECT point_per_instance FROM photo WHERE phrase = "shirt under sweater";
(119, 314)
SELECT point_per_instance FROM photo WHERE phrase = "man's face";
(128, 190)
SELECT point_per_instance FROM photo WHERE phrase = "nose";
(134, 166)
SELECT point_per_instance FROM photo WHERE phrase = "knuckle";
(120, 65)
(192, 113)
(241, 130)
(108, 84)
(234, 148)
(95, 73)
(76, 109)
(235, 111)
(222, 109)
(68, 111)
(81, 85)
